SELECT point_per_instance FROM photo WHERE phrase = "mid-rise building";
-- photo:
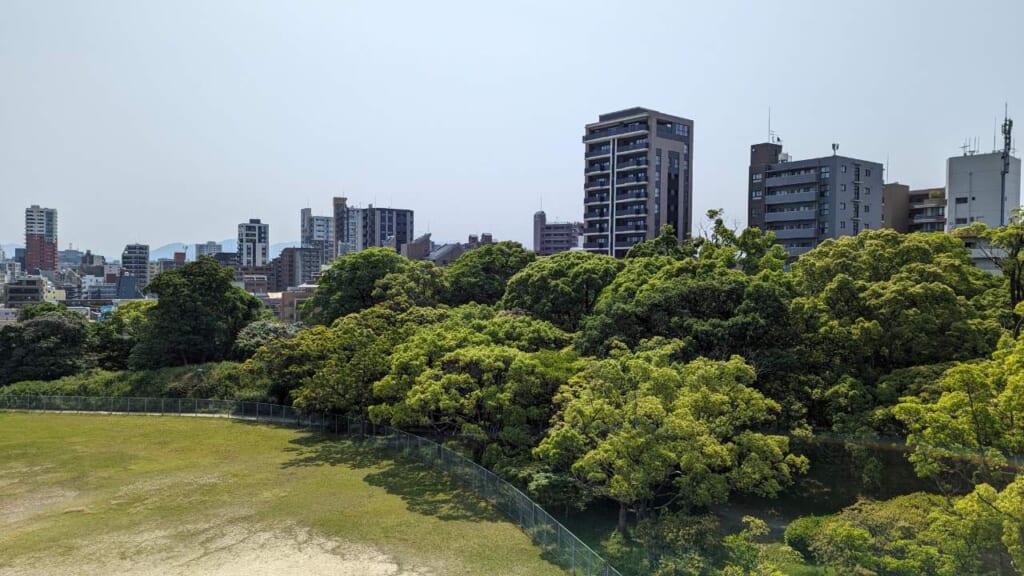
(317, 233)
(135, 263)
(295, 267)
(253, 243)
(638, 177)
(906, 210)
(24, 291)
(805, 202)
(554, 237)
(974, 190)
(208, 249)
(358, 228)
(40, 239)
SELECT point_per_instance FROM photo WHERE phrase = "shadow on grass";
(424, 490)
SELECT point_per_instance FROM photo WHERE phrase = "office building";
(25, 290)
(906, 210)
(317, 233)
(638, 177)
(40, 239)
(208, 249)
(253, 243)
(135, 263)
(554, 237)
(805, 202)
(974, 190)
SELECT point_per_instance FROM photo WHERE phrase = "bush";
(799, 533)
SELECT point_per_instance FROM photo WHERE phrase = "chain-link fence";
(561, 545)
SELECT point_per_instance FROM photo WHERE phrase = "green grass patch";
(118, 493)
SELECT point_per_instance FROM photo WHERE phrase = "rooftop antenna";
(835, 148)
(770, 124)
(964, 147)
(1007, 150)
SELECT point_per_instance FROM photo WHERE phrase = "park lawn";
(167, 495)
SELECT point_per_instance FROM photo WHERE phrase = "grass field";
(148, 495)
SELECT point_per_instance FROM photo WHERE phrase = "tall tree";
(561, 288)
(197, 316)
(48, 345)
(1004, 246)
(350, 285)
(480, 275)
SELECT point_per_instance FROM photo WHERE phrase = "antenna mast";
(1007, 145)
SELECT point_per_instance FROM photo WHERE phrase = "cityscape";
(638, 177)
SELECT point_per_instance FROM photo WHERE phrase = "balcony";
(791, 198)
(635, 179)
(626, 243)
(595, 185)
(638, 209)
(633, 147)
(635, 194)
(792, 180)
(596, 198)
(595, 229)
(598, 153)
(596, 169)
(595, 246)
(638, 128)
(632, 164)
(795, 233)
(596, 214)
(633, 226)
(791, 215)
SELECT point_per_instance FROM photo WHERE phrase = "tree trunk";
(622, 517)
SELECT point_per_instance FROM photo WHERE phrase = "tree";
(638, 428)
(480, 275)
(665, 244)
(561, 288)
(350, 285)
(112, 338)
(47, 346)
(196, 318)
(1004, 246)
(259, 333)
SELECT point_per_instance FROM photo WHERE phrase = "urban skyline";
(292, 116)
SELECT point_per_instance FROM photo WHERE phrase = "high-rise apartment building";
(318, 234)
(805, 202)
(208, 249)
(906, 210)
(359, 228)
(135, 262)
(554, 237)
(974, 190)
(253, 243)
(40, 239)
(295, 267)
(638, 177)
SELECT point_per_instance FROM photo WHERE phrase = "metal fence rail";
(561, 545)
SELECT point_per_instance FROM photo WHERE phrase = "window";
(867, 173)
(843, 169)
(757, 177)
(842, 205)
(842, 224)
(961, 199)
(842, 187)
(961, 220)
(867, 208)
(867, 190)
(755, 194)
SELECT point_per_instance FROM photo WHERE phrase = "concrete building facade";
(208, 249)
(135, 262)
(253, 243)
(295, 267)
(638, 177)
(805, 202)
(554, 237)
(40, 239)
(974, 190)
(906, 210)
(356, 229)
(317, 233)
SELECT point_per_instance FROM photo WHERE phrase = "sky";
(163, 122)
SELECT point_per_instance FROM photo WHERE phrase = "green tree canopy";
(196, 318)
(561, 288)
(47, 346)
(480, 275)
(350, 284)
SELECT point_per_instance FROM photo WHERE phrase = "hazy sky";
(163, 122)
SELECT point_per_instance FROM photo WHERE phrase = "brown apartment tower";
(40, 239)
(638, 177)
